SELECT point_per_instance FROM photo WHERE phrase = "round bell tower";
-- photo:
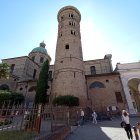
(69, 73)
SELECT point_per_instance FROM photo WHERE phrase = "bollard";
(136, 133)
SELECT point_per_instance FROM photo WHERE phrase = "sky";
(107, 27)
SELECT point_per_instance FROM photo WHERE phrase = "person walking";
(81, 117)
(127, 126)
(94, 117)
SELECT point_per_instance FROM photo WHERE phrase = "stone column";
(128, 96)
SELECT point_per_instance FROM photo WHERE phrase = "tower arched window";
(71, 15)
(73, 32)
(97, 85)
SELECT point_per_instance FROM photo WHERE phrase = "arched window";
(71, 15)
(4, 87)
(97, 85)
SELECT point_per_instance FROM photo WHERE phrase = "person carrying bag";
(126, 124)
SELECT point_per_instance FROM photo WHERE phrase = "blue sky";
(107, 27)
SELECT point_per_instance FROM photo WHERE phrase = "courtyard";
(104, 130)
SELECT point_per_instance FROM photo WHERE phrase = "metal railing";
(32, 123)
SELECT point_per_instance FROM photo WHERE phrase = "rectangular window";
(67, 47)
(34, 74)
(50, 75)
(134, 104)
(119, 97)
(74, 74)
(41, 59)
(93, 70)
(33, 58)
(12, 68)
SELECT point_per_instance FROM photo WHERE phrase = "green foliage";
(67, 100)
(4, 70)
(5, 122)
(42, 84)
(12, 97)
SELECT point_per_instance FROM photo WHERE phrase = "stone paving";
(104, 130)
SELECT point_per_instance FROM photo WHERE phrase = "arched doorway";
(134, 87)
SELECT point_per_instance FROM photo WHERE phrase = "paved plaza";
(104, 130)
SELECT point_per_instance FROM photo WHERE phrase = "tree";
(4, 70)
(42, 84)
(66, 100)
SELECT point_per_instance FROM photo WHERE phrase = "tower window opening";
(107, 81)
(74, 74)
(71, 23)
(60, 34)
(71, 15)
(73, 32)
(67, 46)
(62, 17)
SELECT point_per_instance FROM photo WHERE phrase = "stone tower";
(69, 73)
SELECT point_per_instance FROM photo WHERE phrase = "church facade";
(94, 82)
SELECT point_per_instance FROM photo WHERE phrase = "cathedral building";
(94, 82)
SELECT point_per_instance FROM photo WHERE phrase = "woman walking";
(127, 126)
